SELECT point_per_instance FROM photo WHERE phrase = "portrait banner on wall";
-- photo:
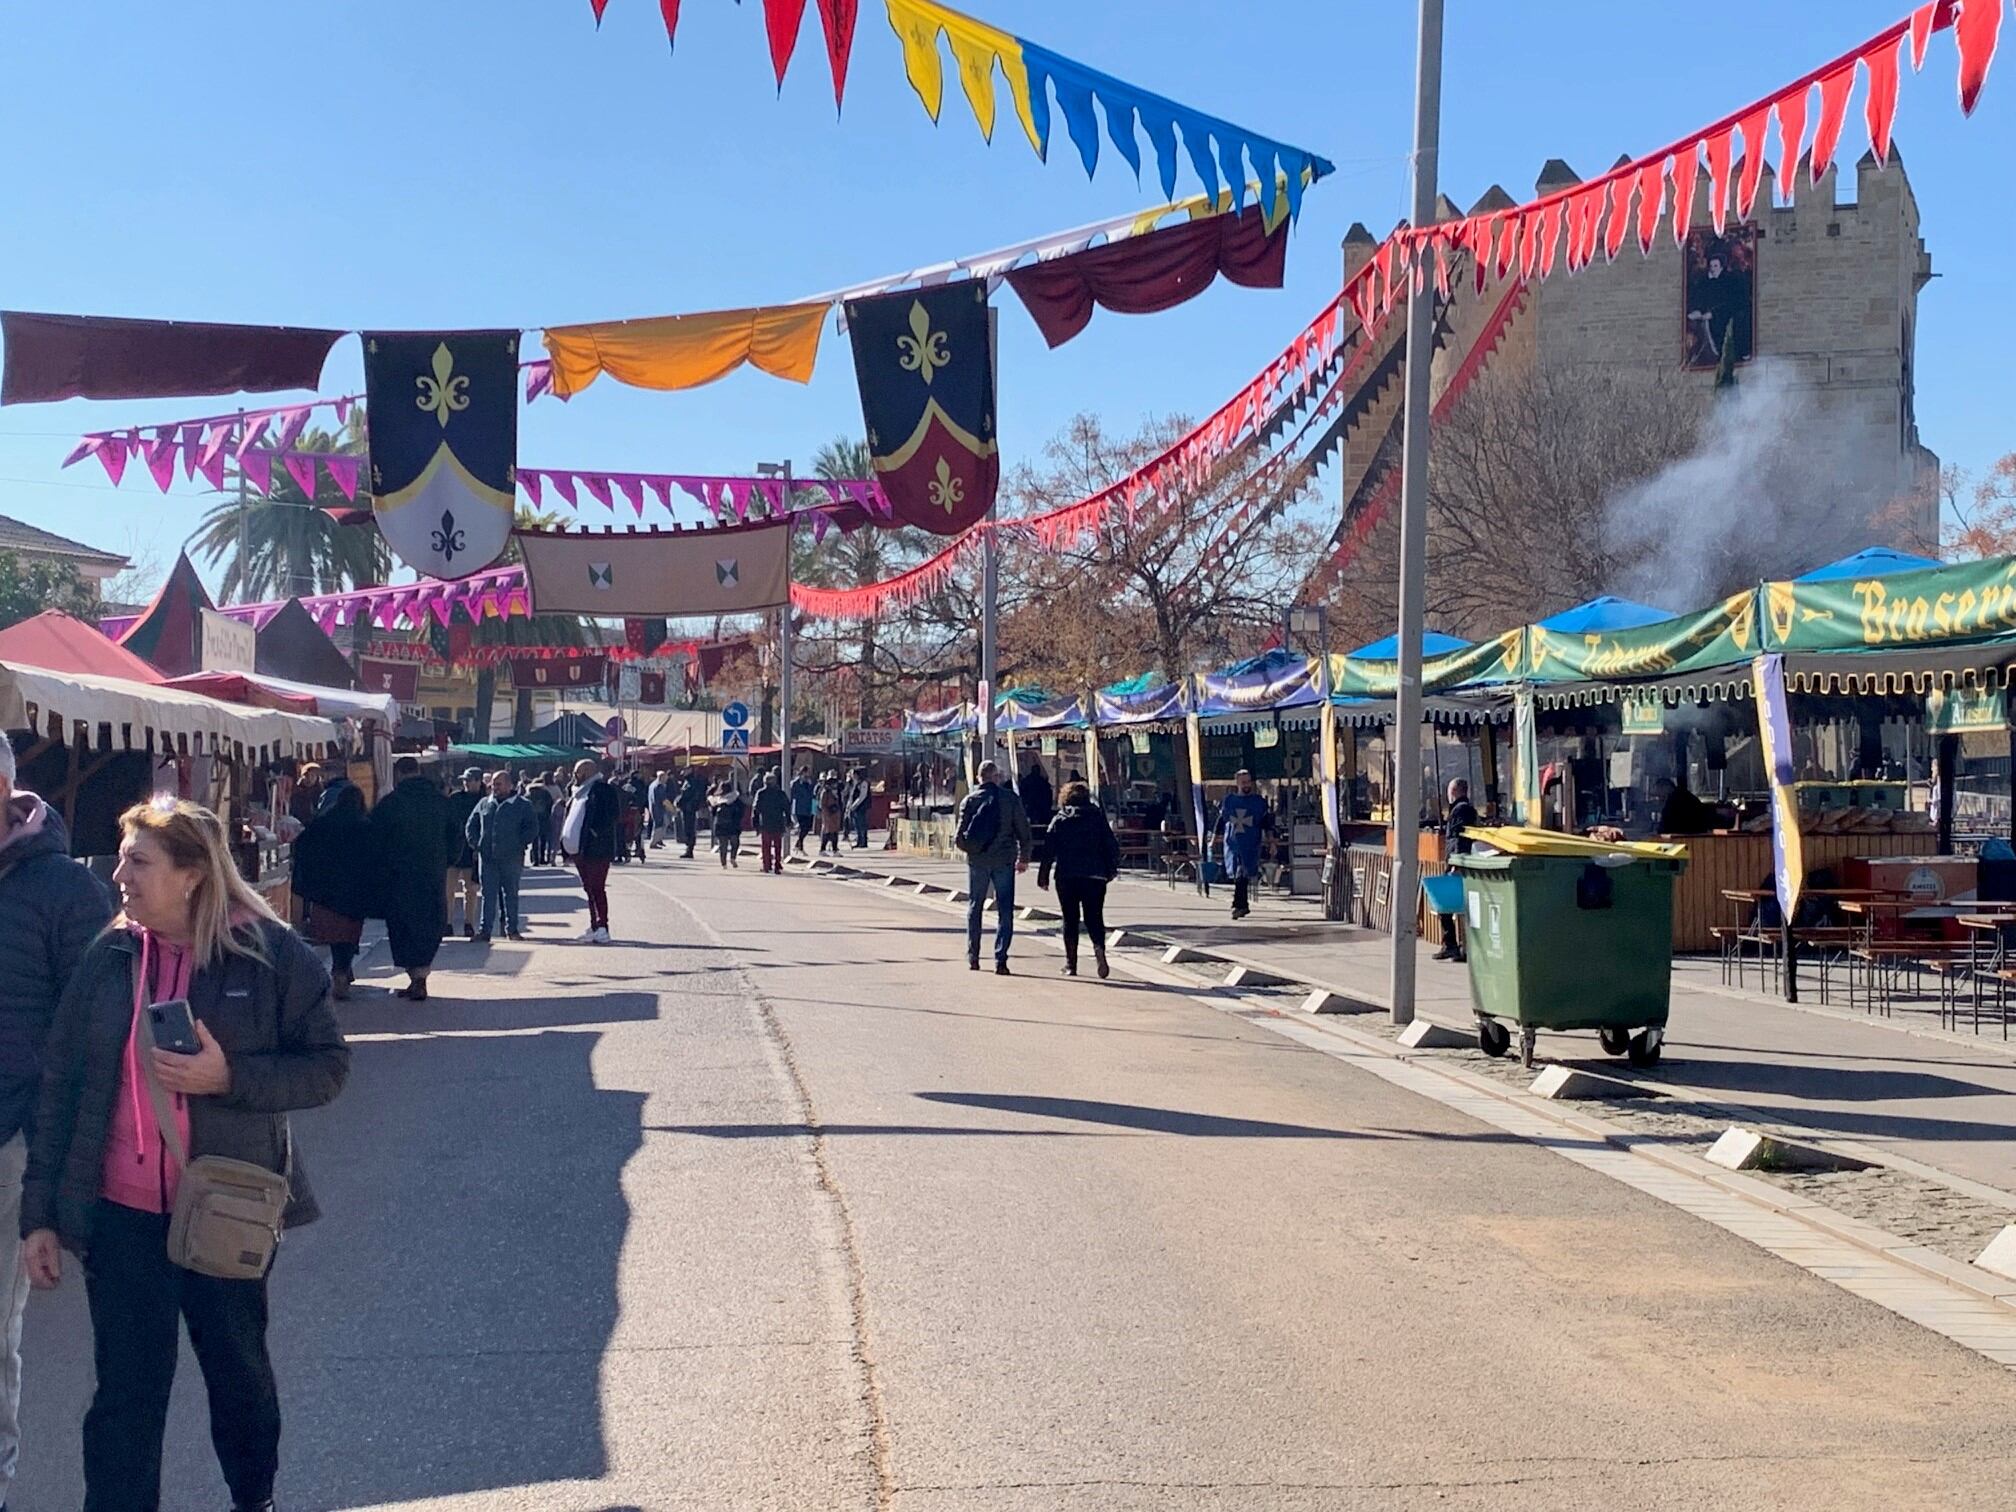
(1718, 300)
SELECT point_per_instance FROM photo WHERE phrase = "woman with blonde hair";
(103, 1174)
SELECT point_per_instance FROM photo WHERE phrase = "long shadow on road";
(442, 1330)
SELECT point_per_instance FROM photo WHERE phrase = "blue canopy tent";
(1877, 559)
(1604, 614)
(1433, 643)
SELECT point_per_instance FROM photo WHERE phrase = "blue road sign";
(735, 739)
(736, 717)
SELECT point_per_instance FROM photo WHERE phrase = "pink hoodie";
(139, 1171)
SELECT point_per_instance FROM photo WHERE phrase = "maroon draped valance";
(1154, 271)
(104, 357)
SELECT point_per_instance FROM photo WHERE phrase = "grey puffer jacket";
(278, 1031)
(51, 909)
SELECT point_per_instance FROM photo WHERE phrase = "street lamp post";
(1414, 520)
(785, 655)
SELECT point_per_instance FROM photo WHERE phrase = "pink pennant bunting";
(773, 495)
(301, 468)
(343, 411)
(662, 487)
(90, 446)
(292, 423)
(597, 485)
(343, 472)
(192, 447)
(258, 469)
(1977, 31)
(1880, 109)
(160, 455)
(820, 525)
(632, 485)
(738, 499)
(254, 432)
(563, 485)
(113, 457)
(534, 486)
(211, 465)
(1833, 113)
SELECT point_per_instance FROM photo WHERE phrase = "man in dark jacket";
(499, 830)
(51, 909)
(804, 805)
(692, 799)
(773, 822)
(540, 796)
(860, 802)
(1462, 818)
(993, 831)
(462, 860)
(589, 837)
(410, 830)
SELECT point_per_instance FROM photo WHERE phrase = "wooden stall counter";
(1730, 860)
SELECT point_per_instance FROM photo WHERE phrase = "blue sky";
(499, 162)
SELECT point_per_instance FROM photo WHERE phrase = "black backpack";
(979, 823)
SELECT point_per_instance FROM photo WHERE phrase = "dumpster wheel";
(1646, 1045)
(1493, 1038)
(1615, 1041)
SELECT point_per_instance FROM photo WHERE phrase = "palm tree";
(861, 556)
(292, 544)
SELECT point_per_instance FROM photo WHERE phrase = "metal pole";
(784, 652)
(1414, 523)
(990, 583)
(244, 534)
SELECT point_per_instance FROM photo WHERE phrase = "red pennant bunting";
(1791, 137)
(1977, 32)
(1620, 215)
(598, 6)
(782, 19)
(1880, 109)
(1588, 226)
(1508, 250)
(1529, 245)
(1383, 262)
(1651, 190)
(1441, 270)
(1833, 112)
(1550, 236)
(837, 18)
(1754, 126)
(1921, 32)
(1479, 232)
(669, 9)
(1686, 187)
(1720, 150)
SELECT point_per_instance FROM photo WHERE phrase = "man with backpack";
(994, 833)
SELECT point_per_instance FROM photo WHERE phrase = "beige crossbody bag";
(227, 1214)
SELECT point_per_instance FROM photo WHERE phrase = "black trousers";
(1082, 897)
(138, 1303)
(342, 957)
(1240, 885)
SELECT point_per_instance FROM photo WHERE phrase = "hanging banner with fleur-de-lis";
(925, 362)
(444, 445)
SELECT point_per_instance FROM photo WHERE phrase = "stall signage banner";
(1774, 724)
(1153, 706)
(1138, 739)
(1049, 745)
(1294, 681)
(227, 645)
(1972, 601)
(871, 742)
(1488, 663)
(1266, 738)
(1643, 716)
(1723, 636)
(1957, 711)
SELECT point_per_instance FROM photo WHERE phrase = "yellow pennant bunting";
(976, 48)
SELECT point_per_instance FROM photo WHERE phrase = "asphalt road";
(774, 1206)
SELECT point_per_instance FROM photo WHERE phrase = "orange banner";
(685, 351)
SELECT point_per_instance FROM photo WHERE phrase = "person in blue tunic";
(1242, 819)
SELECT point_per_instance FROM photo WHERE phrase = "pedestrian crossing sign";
(735, 738)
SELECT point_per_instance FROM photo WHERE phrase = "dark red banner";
(400, 679)
(577, 672)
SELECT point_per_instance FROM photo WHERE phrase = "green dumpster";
(1574, 941)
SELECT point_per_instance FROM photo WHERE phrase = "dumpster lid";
(1538, 842)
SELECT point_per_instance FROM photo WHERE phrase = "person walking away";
(731, 813)
(563, 800)
(636, 806)
(773, 822)
(589, 840)
(993, 831)
(692, 798)
(1242, 819)
(499, 830)
(860, 803)
(410, 841)
(51, 909)
(1462, 817)
(306, 801)
(1085, 854)
(462, 865)
(832, 813)
(804, 805)
(118, 1121)
(540, 796)
(658, 816)
(335, 877)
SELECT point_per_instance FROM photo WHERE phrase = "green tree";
(293, 544)
(29, 587)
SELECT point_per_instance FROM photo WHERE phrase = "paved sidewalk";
(1946, 1101)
